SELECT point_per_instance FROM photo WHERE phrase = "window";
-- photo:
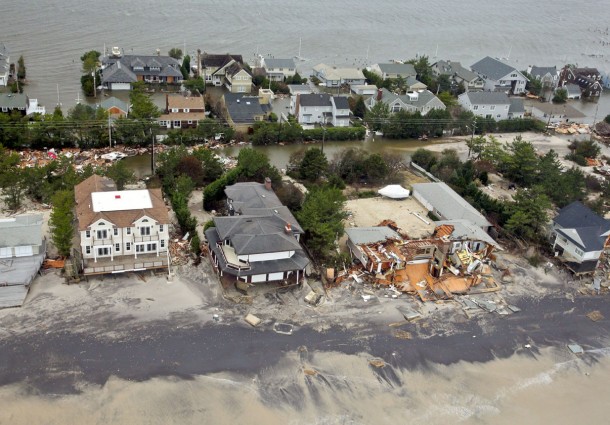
(488, 116)
(144, 231)
(88, 233)
(513, 75)
(117, 247)
(128, 246)
(174, 110)
(160, 227)
(177, 124)
(186, 110)
(498, 116)
(103, 251)
(241, 89)
(101, 223)
(129, 230)
(102, 234)
(151, 247)
(162, 243)
(116, 232)
(492, 107)
(139, 248)
(190, 121)
(475, 107)
(88, 250)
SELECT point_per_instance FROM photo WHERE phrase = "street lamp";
(474, 127)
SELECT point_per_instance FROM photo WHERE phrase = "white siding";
(23, 251)
(120, 86)
(276, 276)
(266, 256)
(258, 278)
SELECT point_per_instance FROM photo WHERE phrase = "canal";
(280, 155)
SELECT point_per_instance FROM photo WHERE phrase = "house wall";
(574, 251)
(253, 258)
(357, 253)
(127, 238)
(312, 114)
(121, 86)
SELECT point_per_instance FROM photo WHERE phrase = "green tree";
(90, 65)
(61, 221)
(321, 217)
(533, 85)
(212, 167)
(424, 158)
(376, 168)
(186, 67)
(528, 214)
(195, 85)
(21, 72)
(175, 53)
(561, 96)
(360, 108)
(522, 162)
(121, 174)
(447, 98)
(142, 106)
(314, 165)
(376, 117)
(13, 187)
(607, 119)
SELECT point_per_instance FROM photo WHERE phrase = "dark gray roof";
(572, 89)
(255, 234)
(449, 203)
(209, 60)
(243, 109)
(21, 230)
(279, 63)
(314, 99)
(582, 226)
(418, 100)
(579, 215)
(297, 262)
(402, 69)
(341, 102)
(487, 98)
(13, 101)
(253, 198)
(455, 68)
(541, 71)
(368, 235)
(516, 106)
(492, 68)
(118, 73)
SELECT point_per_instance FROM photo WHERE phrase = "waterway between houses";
(280, 155)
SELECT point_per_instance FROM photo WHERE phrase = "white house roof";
(120, 200)
(487, 98)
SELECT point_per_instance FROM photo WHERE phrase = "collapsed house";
(454, 260)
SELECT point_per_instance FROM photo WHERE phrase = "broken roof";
(465, 230)
(368, 235)
(21, 230)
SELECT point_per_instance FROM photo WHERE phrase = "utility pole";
(593, 126)
(152, 155)
(109, 132)
(323, 137)
(474, 127)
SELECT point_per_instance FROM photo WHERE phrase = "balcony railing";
(146, 238)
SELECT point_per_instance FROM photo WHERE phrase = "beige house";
(182, 111)
(120, 231)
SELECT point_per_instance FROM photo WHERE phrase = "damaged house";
(259, 240)
(451, 261)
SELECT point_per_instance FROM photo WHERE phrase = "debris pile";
(179, 252)
(573, 128)
(435, 268)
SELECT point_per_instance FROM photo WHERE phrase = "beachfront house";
(120, 230)
(394, 70)
(547, 75)
(115, 108)
(446, 204)
(553, 113)
(278, 69)
(22, 251)
(5, 65)
(119, 71)
(320, 108)
(499, 76)
(259, 240)
(589, 80)
(458, 75)
(579, 237)
(20, 103)
(226, 70)
(422, 101)
(182, 111)
(331, 76)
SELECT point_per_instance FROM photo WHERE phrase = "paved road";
(55, 362)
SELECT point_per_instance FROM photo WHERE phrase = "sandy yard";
(372, 211)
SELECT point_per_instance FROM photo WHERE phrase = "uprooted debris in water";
(596, 316)
(576, 349)
(252, 320)
(378, 363)
(283, 328)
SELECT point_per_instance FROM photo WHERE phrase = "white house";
(557, 113)
(499, 76)
(334, 77)
(319, 108)
(579, 237)
(547, 75)
(279, 69)
(259, 240)
(364, 89)
(486, 104)
(120, 231)
(5, 65)
(417, 101)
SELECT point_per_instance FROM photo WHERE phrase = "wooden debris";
(400, 334)
(378, 363)
(595, 316)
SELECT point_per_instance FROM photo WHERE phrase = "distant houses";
(458, 75)
(331, 76)
(244, 111)
(547, 75)
(319, 108)
(278, 69)
(20, 103)
(115, 108)
(182, 111)
(394, 70)
(226, 70)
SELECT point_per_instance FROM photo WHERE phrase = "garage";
(120, 86)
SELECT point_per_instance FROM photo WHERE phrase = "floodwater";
(53, 34)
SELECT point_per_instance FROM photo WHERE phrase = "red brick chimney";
(267, 183)
(288, 229)
(379, 94)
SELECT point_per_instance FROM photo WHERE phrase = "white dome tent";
(394, 191)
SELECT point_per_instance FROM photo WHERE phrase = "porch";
(125, 263)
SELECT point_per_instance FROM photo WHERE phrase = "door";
(103, 252)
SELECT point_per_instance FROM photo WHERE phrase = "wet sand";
(334, 388)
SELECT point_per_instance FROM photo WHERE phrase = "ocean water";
(53, 34)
